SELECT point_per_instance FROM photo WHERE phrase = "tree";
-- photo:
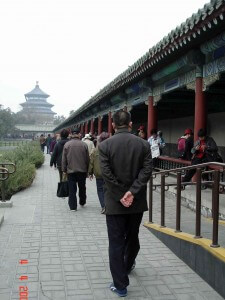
(7, 122)
(58, 119)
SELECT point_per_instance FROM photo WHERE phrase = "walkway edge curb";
(205, 243)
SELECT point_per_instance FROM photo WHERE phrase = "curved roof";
(37, 92)
(186, 34)
(36, 104)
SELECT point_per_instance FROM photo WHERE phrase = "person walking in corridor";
(75, 160)
(48, 143)
(87, 140)
(94, 168)
(42, 141)
(56, 158)
(126, 166)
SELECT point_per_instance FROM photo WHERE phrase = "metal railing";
(167, 163)
(214, 182)
(6, 169)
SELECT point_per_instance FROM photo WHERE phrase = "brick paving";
(67, 252)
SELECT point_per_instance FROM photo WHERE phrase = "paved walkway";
(68, 257)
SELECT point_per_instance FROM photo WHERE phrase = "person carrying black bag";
(56, 157)
(63, 188)
(75, 161)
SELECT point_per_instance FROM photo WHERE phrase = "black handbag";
(63, 189)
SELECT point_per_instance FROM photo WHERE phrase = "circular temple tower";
(37, 108)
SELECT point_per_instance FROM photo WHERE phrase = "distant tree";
(7, 122)
(58, 119)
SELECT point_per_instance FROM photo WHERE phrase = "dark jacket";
(57, 153)
(75, 157)
(52, 145)
(211, 151)
(48, 141)
(126, 165)
(187, 155)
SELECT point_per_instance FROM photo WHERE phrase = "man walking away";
(42, 142)
(48, 142)
(126, 165)
(75, 160)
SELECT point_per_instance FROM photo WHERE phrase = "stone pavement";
(67, 252)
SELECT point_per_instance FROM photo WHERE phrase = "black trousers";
(124, 245)
(190, 173)
(75, 179)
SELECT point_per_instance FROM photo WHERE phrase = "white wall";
(174, 128)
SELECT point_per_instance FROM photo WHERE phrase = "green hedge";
(26, 158)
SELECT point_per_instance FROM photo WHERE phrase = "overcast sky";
(76, 47)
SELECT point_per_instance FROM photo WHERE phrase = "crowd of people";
(122, 165)
(204, 150)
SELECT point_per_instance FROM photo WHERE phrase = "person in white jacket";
(90, 144)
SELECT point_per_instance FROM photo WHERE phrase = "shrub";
(26, 158)
(31, 152)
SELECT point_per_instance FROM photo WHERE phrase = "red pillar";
(110, 123)
(152, 115)
(92, 126)
(86, 128)
(99, 125)
(200, 107)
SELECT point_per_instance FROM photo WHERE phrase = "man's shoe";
(120, 293)
(132, 268)
(103, 210)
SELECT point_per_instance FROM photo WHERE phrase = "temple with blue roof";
(37, 114)
(37, 107)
